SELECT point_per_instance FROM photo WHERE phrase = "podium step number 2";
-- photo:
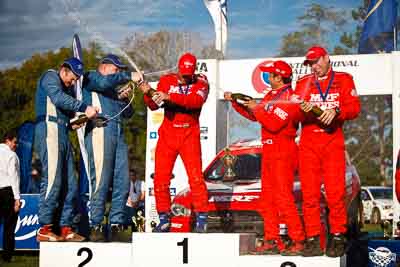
(85, 254)
(186, 249)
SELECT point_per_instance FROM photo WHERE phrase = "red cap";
(278, 67)
(314, 53)
(187, 64)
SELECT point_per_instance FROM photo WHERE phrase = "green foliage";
(370, 140)
(18, 87)
(349, 40)
(320, 22)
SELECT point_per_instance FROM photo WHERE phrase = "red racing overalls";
(322, 149)
(277, 117)
(179, 134)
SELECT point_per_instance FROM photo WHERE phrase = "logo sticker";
(382, 257)
(260, 79)
(153, 135)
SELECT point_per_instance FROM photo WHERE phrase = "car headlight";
(180, 210)
(387, 207)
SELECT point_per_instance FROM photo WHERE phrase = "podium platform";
(67, 254)
(171, 249)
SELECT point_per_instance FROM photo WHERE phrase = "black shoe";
(294, 248)
(118, 234)
(336, 245)
(6, 258)
(312, 247)
(97, 234)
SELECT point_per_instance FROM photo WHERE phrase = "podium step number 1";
(186, 249)
(184, 245)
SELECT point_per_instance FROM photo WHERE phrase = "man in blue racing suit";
(55, 104)
(106, 147)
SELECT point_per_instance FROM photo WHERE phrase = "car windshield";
(245, 167)
(382, 193)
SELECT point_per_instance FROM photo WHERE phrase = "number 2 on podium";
(184, 244)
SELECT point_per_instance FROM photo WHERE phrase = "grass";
(23, 259)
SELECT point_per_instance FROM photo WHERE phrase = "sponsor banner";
(207, 139)
(27, 224)
(372, 73)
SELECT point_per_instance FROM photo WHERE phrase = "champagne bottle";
(317, 111)
(240, 98)
(152, 93)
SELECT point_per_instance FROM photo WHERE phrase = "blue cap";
(75, 65)
(113, 59)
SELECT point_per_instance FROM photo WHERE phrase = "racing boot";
(118, 233)
(71, 236)
(46, 234)
(294, 248)
(201, 222)
(164, 225)
(312, 247)
(97, 233)
(336, 245)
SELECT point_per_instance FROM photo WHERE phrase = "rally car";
(233, 202)
(377, 203)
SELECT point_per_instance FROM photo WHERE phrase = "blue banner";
(24, 152)
(379, 24)
(27, 224)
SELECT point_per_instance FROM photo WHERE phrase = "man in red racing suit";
(322, 149)
(182, 96)
(277, 117)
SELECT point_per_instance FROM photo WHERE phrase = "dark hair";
(67, 66)
(10, 135)
(132, 172)
(287, 80)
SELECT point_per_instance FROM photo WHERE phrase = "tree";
(349, 40)
(158, 53)
(369, 140)
(315, 26)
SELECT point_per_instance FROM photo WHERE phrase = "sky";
(255, 27)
